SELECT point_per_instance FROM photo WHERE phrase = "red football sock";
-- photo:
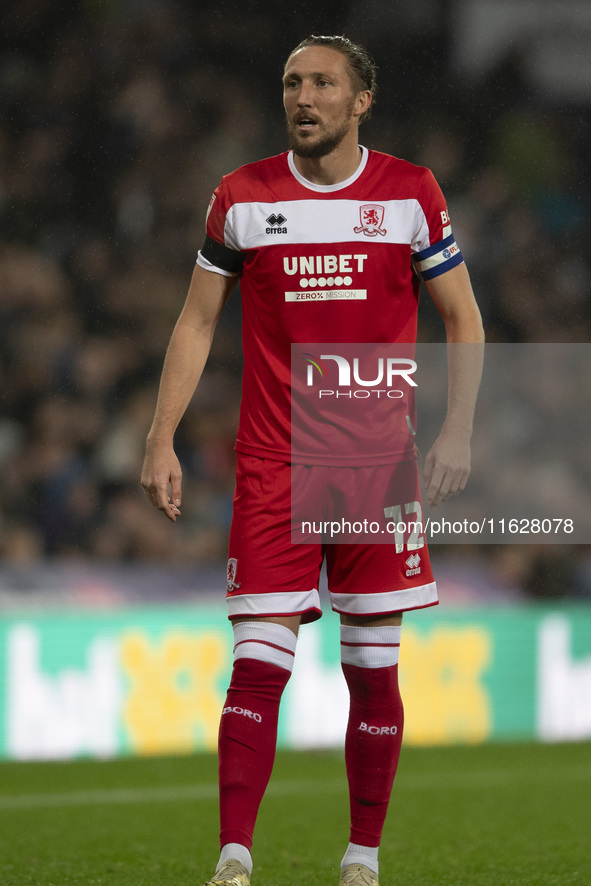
(248, 732)
(373, 741)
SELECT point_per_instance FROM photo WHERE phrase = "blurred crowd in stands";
(117, 120)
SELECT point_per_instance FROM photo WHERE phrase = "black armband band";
(222, 256)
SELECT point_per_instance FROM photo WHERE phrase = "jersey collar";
(327, 189)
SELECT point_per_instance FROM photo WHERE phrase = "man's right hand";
(162, 472)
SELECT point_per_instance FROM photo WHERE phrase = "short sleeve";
(215, 255)
(435, 249)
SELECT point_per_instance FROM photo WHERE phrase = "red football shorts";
(270, 573)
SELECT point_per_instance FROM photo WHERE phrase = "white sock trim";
(370, 647)
(238, 852)
(265, 641)
(356, 854)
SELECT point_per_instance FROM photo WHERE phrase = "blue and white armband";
(437, 259)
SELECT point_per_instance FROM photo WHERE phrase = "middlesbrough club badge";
(233, 585)
(371, 216)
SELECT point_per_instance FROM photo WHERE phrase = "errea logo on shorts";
(325, 277)
(413, 563)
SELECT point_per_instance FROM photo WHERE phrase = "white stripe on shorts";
(275, 603)
(387, 602)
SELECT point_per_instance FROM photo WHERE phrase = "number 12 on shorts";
(399, 526)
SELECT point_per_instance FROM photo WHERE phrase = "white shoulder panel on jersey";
(255, 225)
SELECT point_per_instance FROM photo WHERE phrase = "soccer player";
(359, 230)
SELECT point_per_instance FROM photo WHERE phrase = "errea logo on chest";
(276, 224)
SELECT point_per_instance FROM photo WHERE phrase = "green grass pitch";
(462, 816)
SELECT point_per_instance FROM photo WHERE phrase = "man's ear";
(363, 103)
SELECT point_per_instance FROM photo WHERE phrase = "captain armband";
(437, 259)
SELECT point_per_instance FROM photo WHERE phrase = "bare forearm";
(464, 369)
(183, 365)
(465, 345)
(184, 362)
(447, 465)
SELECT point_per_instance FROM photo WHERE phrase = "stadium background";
(117, 120)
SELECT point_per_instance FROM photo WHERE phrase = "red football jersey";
(322, 263)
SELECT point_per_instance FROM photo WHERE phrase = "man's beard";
(321, 148)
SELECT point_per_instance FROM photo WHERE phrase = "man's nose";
(305, 98)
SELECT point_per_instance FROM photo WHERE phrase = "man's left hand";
(447, 466)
